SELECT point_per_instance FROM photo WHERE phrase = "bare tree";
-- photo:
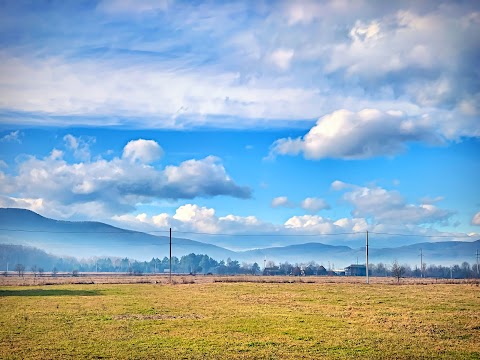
(34, 270)
(54, 271)
(20, 269)
(40, 271)
(397, 271)
(270, 264)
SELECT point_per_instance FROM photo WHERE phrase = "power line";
(79, 232)
(233, 235)
(420, 235)
(219, 234)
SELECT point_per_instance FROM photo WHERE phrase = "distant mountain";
(444, 252)
(447, 252)
(88, 239)
(318, 252)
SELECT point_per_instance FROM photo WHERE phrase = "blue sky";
(296, 118)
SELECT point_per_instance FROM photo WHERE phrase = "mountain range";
(84, 239)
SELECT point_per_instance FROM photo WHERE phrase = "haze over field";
(244, 125)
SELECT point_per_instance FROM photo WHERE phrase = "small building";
(355, 270)
(338, 272)
(321, 270)
(275, 270)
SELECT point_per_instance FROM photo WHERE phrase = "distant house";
(355, 270)
(275, 270)
(321, 270)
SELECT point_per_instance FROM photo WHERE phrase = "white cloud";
(357, 135)
(314, 204)
(476, 219)
(143, 151)
(14, 136)
(281, 201)
(194, 218)
(153, 97)
(416, 57)
(200, 218)
(405, 39)
(282, 58)
(338, 185)
(79, 145)
(389, 207)
(206, 176)
(312, 222)
(118, 185)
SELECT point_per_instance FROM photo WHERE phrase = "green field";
(240, 320)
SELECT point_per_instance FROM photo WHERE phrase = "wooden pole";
(366, 255)
(170, 255)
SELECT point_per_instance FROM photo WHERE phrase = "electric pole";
(478, 254)
(366, 256)
(170, 255)
(421, 263)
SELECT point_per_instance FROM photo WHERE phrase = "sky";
(264, 117)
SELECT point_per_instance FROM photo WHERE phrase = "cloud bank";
(103, 187)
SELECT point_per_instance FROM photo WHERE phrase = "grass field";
(240, 320)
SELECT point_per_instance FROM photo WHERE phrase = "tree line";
(24, 258)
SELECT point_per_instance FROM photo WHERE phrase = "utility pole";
(366, 255)
(478, 254)
(421, 263)
(170, 255)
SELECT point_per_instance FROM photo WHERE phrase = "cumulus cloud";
(314, 204)
(192, 218)
(389, 206)
(358, 135)
(476, 219)
(195, 218)
(144, 151)
(315, 223)
(118, 185)
(281, 201)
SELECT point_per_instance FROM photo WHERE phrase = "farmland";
(245, 320)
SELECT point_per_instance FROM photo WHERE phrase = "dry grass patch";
(240, 321)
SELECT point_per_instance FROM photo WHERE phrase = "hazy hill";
(88, 239)
(318, 252)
